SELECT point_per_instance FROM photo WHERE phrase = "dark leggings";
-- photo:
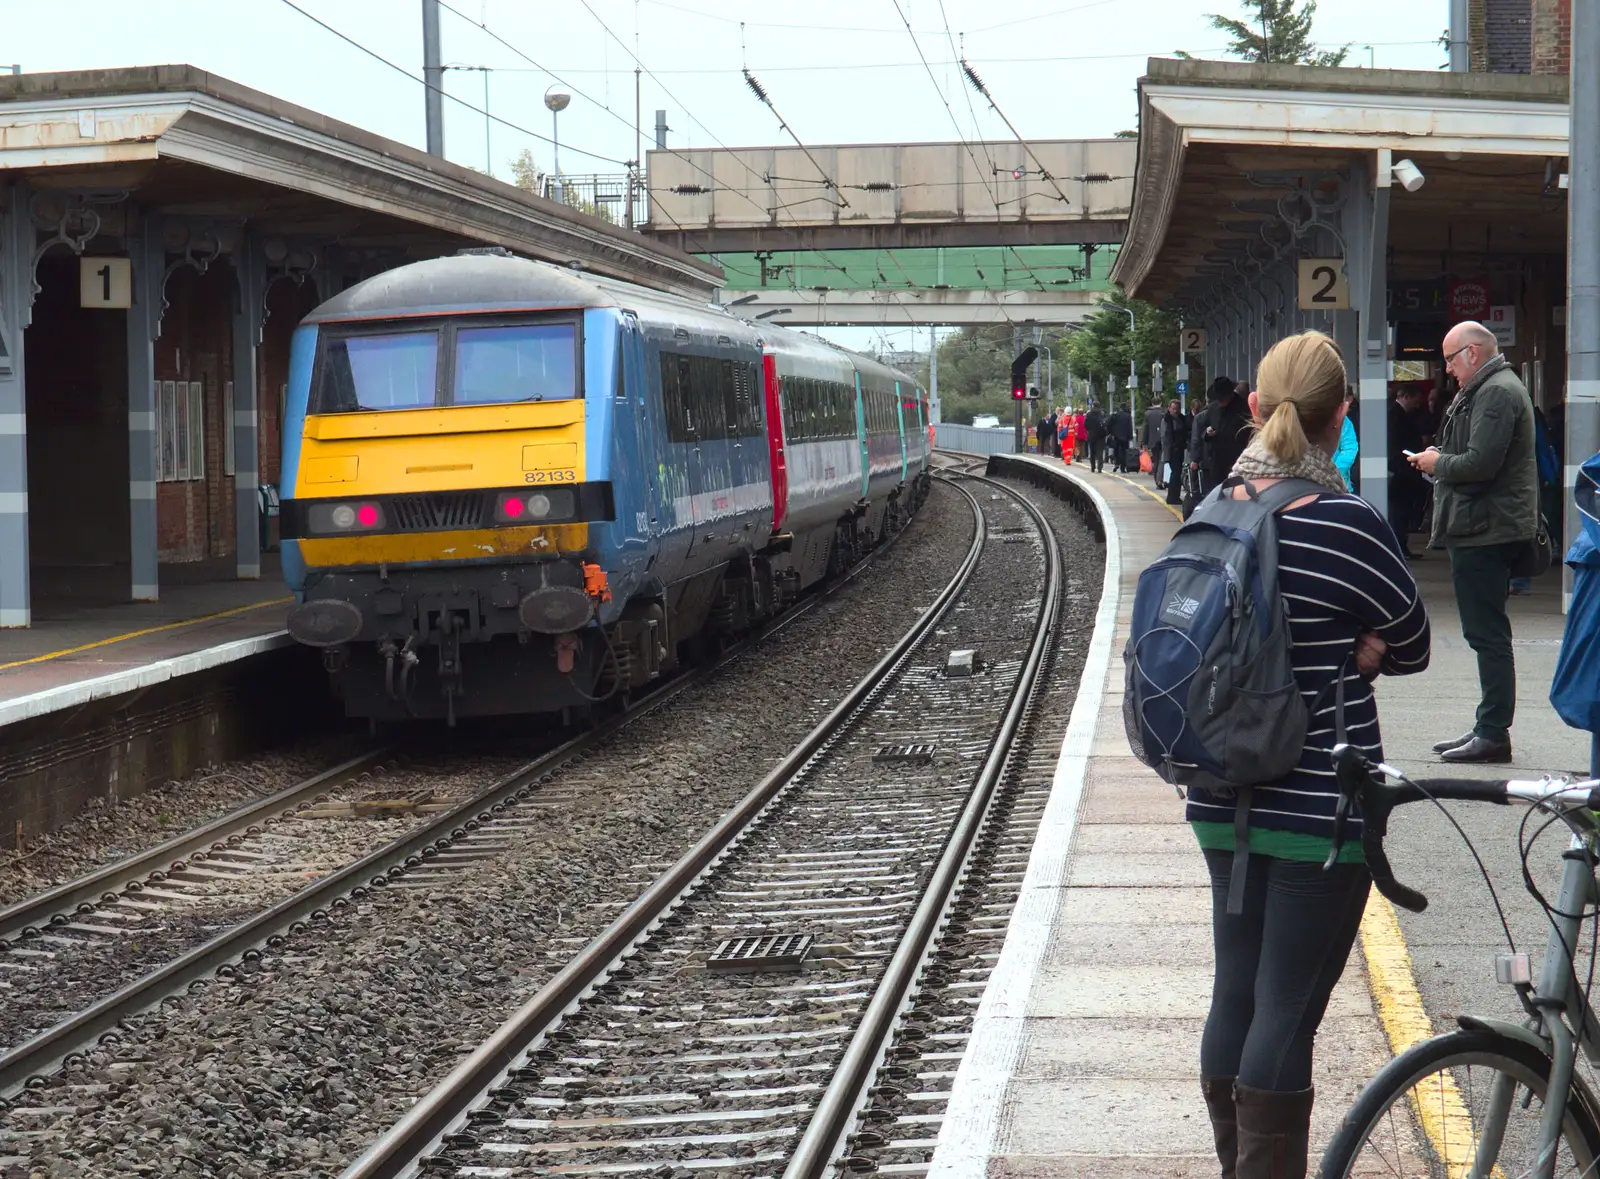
(1276, 966)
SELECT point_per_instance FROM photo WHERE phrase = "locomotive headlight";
(322, 519)
(538, 505)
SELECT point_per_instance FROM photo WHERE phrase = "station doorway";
(76, 362)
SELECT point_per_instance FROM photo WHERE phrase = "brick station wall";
(1552, 37)
(1519, 36)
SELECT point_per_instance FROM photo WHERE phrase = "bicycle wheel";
(1430, 1113)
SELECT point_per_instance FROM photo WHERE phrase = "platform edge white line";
(50, 700)
(977, 1098)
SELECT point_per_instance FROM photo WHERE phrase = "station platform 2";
(1084, 1058)
(83, 646)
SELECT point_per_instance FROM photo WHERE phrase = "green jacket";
(1487, 489)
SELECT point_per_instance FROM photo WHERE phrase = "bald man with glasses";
(1485, 515)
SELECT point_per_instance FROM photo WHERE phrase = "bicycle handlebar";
(1360, 780)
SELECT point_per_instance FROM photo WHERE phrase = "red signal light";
(512, 507)
(368, 515)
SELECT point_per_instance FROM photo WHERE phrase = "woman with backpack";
(1354, 612)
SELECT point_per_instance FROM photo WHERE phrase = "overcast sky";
(838, 71)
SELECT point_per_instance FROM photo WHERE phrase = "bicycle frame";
(1552, 1001)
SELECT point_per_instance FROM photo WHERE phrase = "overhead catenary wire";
(977, 84)
(761, 94)
(484, 28)
(654, 78)
(917, 45)
(345, 37)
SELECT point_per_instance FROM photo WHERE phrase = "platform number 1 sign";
(105, 282)
(1323, 286)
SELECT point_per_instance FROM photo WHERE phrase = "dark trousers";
(1155, 465)
(1097, 453)
(1119, 454)
(1482, 577)
(1175, 483)
(1276, 965)
(1405, 499)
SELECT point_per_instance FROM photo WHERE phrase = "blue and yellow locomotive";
(511, 487)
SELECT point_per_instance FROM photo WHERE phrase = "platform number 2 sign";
(105, 282)
(1323, 286)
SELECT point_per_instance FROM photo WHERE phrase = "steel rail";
(102, 884)
(841, 1102)
(446, 1107)
(69, 1039)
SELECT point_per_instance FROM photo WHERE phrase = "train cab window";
(516, 362)
(398, 370)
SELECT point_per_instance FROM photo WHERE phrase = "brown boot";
(1274, 1132)
(1218, 1092)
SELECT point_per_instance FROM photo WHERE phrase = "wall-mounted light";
(1408, 175)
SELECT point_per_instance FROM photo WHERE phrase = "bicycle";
(1493, 1098)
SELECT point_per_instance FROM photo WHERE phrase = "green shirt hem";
(1282, 845)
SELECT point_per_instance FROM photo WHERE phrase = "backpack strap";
(1241, 806)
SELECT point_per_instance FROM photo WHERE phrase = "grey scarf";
(1257, 462)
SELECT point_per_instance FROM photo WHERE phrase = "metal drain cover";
(912, 751)
(748, 955)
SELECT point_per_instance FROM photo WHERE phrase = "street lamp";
(556, 99)
(1133, 373)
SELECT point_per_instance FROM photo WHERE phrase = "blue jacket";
(1345, 457)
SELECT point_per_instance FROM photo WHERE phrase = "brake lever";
(1355, 775)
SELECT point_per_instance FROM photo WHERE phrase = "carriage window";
(673, 404)
(392, 371)
(518, 362)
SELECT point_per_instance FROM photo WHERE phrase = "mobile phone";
(1409, 453)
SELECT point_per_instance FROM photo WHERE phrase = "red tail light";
(511, 508)
(367, 514)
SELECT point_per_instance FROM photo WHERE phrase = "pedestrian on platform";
(1151, 440)
(1080, 424)
(1068, 436)
(1042, 434)
(1197, 445)
(1350, 595)
(1094, 427)
(1120, 429)
(1174, 441)
(1227, 431)
(1408, 490)
(1349, 446)
(1486, 516)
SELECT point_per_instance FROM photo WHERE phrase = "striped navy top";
(1340, 573)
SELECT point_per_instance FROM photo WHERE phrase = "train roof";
(486, 281)
(490, 280)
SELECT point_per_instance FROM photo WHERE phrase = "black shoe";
(1441, 746)
(1480, 750)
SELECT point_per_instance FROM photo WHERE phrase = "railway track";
(746, 1011)
(131, 897)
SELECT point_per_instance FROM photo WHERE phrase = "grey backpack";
(1211, 699)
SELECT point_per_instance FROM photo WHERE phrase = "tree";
(525, 175)
(975, 373)
(1275, 31)
(1101, 347)
(524, 171)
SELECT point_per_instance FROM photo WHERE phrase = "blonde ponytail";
(1299, 387)
(1283, 434)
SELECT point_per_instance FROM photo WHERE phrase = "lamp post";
(556, 99)
(488, 154)
(1133, 373)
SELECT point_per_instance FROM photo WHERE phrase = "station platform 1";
(1084, 1058)
(83, 647)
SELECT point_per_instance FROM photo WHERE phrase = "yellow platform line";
(1439, 1107)
(149, 630)
(1152, 493)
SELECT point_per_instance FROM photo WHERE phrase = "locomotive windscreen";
(378, 367)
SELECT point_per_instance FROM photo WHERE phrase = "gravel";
(105, 832)
(295, 1066)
